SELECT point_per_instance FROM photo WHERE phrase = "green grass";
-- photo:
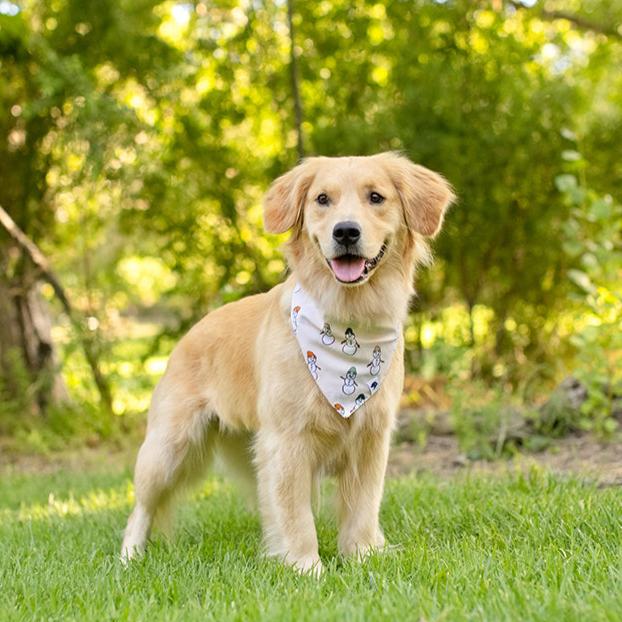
(527, 547)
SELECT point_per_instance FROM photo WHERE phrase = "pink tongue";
(348, 269)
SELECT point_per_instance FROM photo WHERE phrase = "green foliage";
(140, 137)
(15, 388)
(482, 418)
(63, 425)
(593, 241)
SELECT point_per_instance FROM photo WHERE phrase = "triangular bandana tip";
(347, 362)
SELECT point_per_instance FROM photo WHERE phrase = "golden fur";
(236, 384)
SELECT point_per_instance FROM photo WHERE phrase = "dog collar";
(347, 361)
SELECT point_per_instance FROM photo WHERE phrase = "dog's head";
(353, 218)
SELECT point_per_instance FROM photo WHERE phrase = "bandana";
(347, 362)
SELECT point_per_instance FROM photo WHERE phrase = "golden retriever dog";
(237, 384)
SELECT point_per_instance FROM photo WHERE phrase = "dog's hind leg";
(177, 448)
(234, 454)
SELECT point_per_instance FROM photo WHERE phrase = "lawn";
(521, 547)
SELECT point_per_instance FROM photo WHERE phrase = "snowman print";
(312, 364)
(295, 312)
(340, 409)
(349, 381)
(360, 399)
(327, 335)
(374, 364)
(373, 387)
(350, 345)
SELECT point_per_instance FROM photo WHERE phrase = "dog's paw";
(308, 566)
(129, 552)
(358, 551)
(380, 543)
(360, 548)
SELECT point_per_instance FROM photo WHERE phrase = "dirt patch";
(100, 458)
(582, 455)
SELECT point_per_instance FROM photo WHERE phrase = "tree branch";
(36, 256)
(43, 265)
(577, 20)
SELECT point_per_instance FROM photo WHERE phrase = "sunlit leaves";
(142, 134)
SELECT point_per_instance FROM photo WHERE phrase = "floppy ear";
(425, 195)
(284, 201)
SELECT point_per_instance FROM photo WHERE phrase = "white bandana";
(347, 362)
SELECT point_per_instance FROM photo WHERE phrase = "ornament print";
(350, 344)
(349, 381)
(327, 336)
(295, 312)
(312, 364)
(376, 360)
(346, 361)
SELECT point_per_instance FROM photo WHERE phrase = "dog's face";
(353, 213)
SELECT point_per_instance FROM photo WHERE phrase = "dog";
(237, 384)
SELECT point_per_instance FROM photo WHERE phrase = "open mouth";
(351, 269)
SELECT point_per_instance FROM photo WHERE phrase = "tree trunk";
(36, 260)
(29, 371)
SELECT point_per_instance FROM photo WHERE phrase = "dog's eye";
(376, 198)
(322, 198)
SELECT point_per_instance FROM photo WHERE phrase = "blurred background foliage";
(137, 138)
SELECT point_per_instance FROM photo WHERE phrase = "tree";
(141, 137)
(49, 56)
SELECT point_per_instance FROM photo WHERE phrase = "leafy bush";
(593, 244)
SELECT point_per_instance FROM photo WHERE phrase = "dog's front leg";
(285, 476)
(361, 482)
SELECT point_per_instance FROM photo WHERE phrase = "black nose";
(346, 232)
